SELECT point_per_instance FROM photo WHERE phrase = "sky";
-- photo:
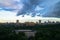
(29, 10)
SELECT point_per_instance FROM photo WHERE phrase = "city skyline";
(34, 19)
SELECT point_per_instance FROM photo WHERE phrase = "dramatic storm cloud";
(53, 11)
(44, 8)
(29, 7)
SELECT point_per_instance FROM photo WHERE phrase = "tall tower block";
(39, 21)
(17, 21)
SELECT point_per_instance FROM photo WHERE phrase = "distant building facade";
(39, 21)
(28, 33)
(29, 23)
(17, 23)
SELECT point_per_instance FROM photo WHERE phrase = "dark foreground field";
(44, 32)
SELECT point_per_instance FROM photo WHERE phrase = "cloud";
(31, 5)
(7, 15)
(54, 11)
(10, 5)
(44, 8)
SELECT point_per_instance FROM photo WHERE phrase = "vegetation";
(44, 32)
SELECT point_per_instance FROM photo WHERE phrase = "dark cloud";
(51, 8)
(29, 7)
(55, 12)
(9, 9)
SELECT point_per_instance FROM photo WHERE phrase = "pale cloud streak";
(11, 4)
